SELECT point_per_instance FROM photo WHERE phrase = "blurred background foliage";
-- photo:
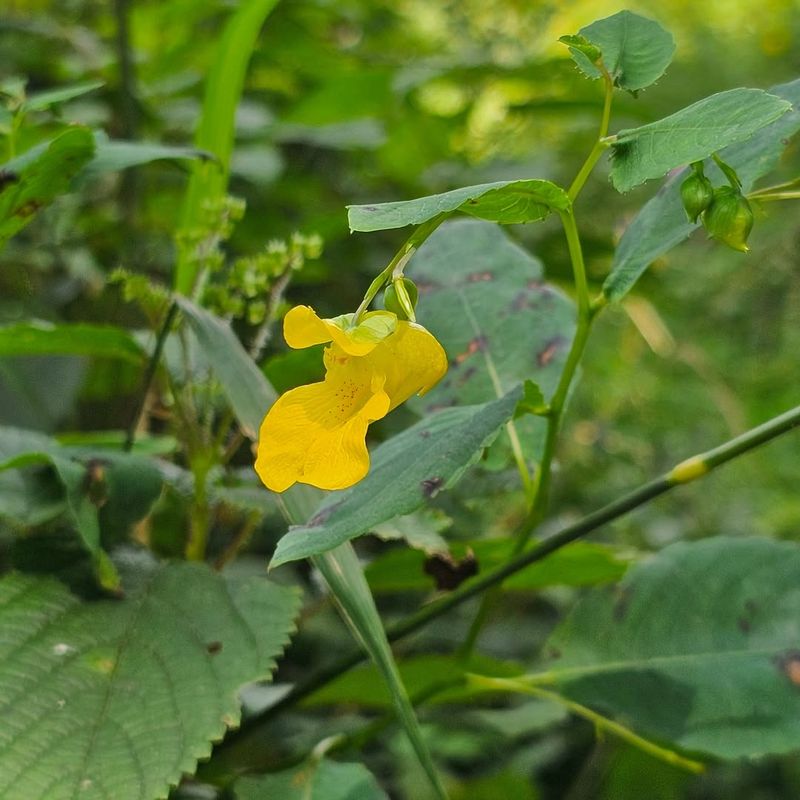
(357, 101)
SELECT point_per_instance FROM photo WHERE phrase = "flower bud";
(696, 194)
(400, 298)
(729, 218)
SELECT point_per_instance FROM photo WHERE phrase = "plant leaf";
(406, 471)
(699, 647)
(245, 386)
(691, 134)
(662, 223)
(36, 178)
(313, 780)
(635, 50)
(43, 338)
(41, 100)
(485, 299)
(506, 202)
(119, 698)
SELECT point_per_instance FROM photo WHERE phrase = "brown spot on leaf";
(621, 605)
(520, 302)
(466, 375)
(546, 355)
(476, 345)
(7, 177)
(28, 209)
(449, 573)
(789, 664)
(323, 515)
(535, 283)
(479, 277)
(431, 486)
(214, 647)
(424, 287)
(744, 624)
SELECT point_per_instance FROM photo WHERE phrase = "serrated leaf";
(635, 50)
(243, 383)
(43, 338)
(662, 223)
(485, 299)
(406, 471)
(691, 134)
(114, 700)
(502, 201)
(708, 628)
(34, 179)
(313, 780)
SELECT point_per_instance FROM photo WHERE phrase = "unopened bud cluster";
(725, 212)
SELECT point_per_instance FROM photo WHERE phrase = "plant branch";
(152, 366)
(600, 145)
(684, 472)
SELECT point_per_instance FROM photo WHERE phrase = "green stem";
(773, 196)
(600, 722)
(152, 366)
(684, 472)
(600, 145)
(394, 269)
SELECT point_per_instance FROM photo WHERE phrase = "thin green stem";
(152, 366)
(771, 197)
(394, 269)
(684, 472)
(600, 145)
(600, 722)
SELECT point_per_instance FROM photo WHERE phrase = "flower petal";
(316, 434)
(412, 360)
(302, 327)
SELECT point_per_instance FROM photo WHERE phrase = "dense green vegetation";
(584, 561)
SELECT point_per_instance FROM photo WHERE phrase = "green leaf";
(43, 338)
(581, 564)
(36, 178)
(406, 471)
(485, 299)
(502, 201)
(662, 223)
(243, 383)
(316, 779)
(102, 489)
(635, 50)
(120, 698)
(364, 687)
(113, 155)
(41, 100)
(533, 401)
(698, 646)
(216, 128)
(691, 134)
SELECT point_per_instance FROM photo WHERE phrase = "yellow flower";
(316, 434)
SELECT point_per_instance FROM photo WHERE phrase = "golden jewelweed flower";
(316, 434)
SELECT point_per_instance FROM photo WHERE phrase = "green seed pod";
(729, 218)
(696, 194)
(395, 301)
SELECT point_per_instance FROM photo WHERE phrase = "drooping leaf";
(113, 155)
(320, 779)
(502, 201)
(662, 223)
(699, 646)
(116, 699)
(486, 301)
(691, 134)
(36, 178)
(245, 386)
(581, 564)
(406, 471)
(635, 50)
(51, 97)
(43, 338)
